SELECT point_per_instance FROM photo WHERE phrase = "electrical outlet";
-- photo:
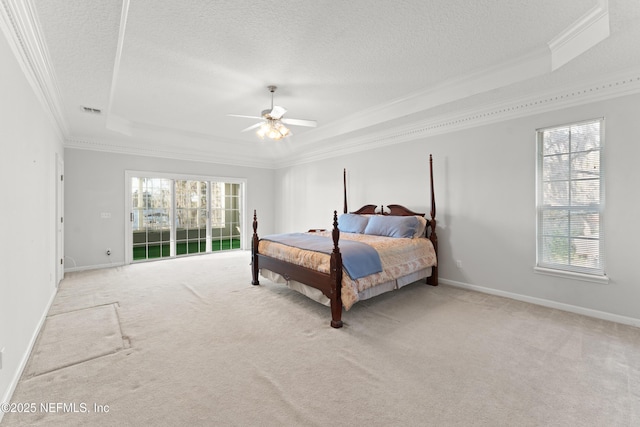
(459, 263)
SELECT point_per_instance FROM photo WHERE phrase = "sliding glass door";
(191, 217)
(176, 215)
(151, 217)
(225, 215)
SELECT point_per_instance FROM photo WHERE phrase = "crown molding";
(588, 30)
(116, 123)
(533, 64)
(583, 34)
(587, 92)
(19, 23)
(174, 153)
(613, 86)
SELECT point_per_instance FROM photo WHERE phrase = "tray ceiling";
(165, 74)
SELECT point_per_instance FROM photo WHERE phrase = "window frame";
(568, 270)
(128, 209)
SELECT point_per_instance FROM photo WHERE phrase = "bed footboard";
(329, 284)
(433, 279)
(254, 252)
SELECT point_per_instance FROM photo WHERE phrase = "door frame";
(128, 174)
(59, 260)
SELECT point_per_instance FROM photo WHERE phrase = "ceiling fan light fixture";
(262, 130)
(273, 129)
(273, 124)
(284, 131)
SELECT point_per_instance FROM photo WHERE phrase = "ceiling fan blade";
(277, 112)
(252, 127)
(246, 117)
(300, 122)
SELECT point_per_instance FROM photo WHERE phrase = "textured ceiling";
(166, 73)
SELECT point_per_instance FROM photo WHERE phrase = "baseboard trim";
(94, 267)
(25, 358)
(547, 303)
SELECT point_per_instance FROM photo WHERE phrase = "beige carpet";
(200, 346)
(75, 337)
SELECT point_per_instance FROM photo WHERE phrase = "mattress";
(403, 261)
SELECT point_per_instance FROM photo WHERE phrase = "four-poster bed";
(321, 264)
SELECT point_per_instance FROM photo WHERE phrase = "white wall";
(485, 193)
(27, 254)
(95, 183)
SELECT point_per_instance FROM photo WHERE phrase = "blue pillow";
(392, 226)
(352, 223)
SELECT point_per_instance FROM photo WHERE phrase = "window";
(191, 216)
(226, 203)
(217, 204)
(179, 215)
(570, 198)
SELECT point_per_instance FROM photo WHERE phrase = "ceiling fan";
(273, 121)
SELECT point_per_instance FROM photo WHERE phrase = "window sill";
(604, 280)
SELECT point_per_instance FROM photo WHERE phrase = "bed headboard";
(394, 210)
(399, 210)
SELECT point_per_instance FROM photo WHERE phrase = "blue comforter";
(358, 259)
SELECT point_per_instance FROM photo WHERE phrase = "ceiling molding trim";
(113, 122)
(528, 66)
(19, 23)
(190, 155)
(589, 30)
(583, 34)
(135, 129)
(613, 87)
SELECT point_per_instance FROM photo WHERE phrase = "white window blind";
(570, 199)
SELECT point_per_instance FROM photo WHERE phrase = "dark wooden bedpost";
(344, 186)
(254, 251)
(433, 279)
(336, 276)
